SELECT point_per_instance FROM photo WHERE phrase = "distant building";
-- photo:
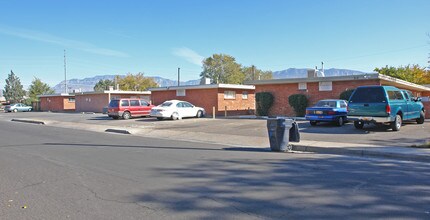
(225, 98)
(63, 102)
(96, 101)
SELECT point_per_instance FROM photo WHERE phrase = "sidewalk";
(247, 142)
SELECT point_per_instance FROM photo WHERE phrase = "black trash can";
(279, 132)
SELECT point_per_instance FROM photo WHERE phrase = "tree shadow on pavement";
(304, 188)
(247, 149)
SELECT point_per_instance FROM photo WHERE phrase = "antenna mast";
(65, 73)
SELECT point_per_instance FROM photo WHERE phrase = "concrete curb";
(119, 131)
(29, 121)
(362, 153)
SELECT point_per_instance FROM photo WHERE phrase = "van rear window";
(114, 103)
(368, 95)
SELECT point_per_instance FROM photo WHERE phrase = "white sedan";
(176, 110)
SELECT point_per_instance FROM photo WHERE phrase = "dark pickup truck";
(385, 105)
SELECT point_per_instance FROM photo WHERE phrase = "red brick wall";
(425, 93)
(91, 102)
(68, 105)
(427, 108)
(56, 104)
(158, 97)
(205, 98)
(238, 105)
(209, 98)
(96, 102)
(281, 93)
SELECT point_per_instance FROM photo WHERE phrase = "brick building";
(96, 101)
(57, 102)
(225, 98)
(317, 88)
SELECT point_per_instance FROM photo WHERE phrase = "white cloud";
(51, 39)
(189, 55)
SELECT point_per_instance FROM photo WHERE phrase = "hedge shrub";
(264, 101)
(299, 102)
(346, 94)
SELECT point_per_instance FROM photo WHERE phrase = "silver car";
(18, 107)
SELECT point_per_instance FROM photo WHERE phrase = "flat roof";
(116, 92)
(57, 95)
(386, 80)
(205, 86)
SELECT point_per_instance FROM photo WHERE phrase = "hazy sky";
(158, 36)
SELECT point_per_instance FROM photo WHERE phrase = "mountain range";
(87, 84)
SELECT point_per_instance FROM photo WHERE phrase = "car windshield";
(323, 103)
(114, 103)
(368, 95)
(166, 104)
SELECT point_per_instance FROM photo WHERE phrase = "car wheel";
(313, 123)
(15, 110)
(175, 116)
(339, 121)
(358, 124)
(160, 118)
(199, 114)
(397, 123)
(30, 109)
(126, 115)
(420, 120)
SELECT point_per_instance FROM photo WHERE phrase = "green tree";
(103, 85)
(136, 82)
(253, 73)
(264, 101)
(38, 87)
(413, 74)
(299, 102)
(13, 91)
(222, 68)
(345, 95)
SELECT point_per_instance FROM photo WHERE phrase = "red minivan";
(127, 108)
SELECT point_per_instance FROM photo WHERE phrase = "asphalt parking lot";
(410, 133)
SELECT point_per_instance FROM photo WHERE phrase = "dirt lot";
(411, 133)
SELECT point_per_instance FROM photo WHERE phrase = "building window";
(303, 86)
(325, 86)
(180, 92)
(71, 99)
(245, 95)
(229, 95)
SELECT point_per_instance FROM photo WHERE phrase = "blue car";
(329, 110)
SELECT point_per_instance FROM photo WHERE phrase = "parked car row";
(370, 104)
(173, 109)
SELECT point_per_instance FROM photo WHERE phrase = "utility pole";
(65, 73)
(253, 72)
(179, 76)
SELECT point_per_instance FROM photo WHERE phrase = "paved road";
(410, 134)
(55, 173)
